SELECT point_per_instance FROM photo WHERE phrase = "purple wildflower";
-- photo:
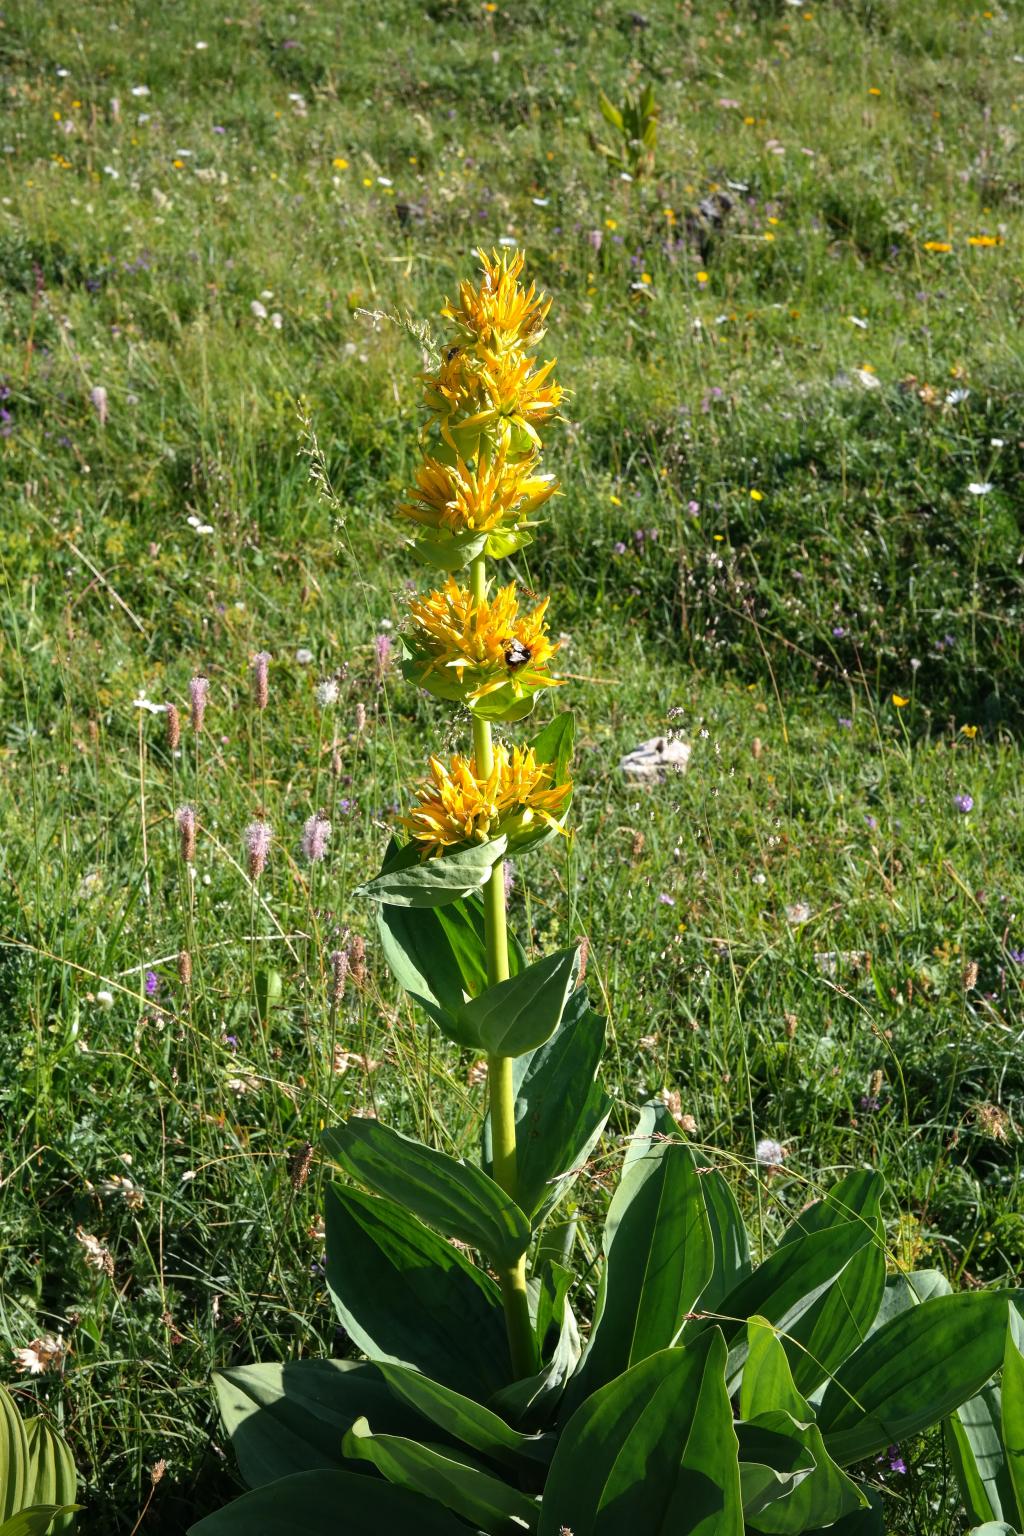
(1016, 956)
(871, 823)
(199, 692)
(838, 631)
(693, 507)
(964, 803)
(314, 837)
(618, 548)
(257, 841)
(846, 722)
(382, 648)
(152, 983)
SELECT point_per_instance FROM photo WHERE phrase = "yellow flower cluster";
(458, 805)
(480, 479)
(485, 654)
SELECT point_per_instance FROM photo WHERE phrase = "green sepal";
(457, 1199)
(408, 880)
(448, 1477)
(406, 1296)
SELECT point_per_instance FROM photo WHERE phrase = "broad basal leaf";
(658, 1258)
(914, 1371)
(484, 1500)
(405, 1295)
(291, 1418)
(325, 1503)
(653, 1452)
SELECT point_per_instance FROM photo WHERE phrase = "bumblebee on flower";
(486, 655)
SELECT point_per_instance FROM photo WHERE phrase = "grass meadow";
(790, 531)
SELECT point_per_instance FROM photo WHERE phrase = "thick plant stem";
(499, 1068)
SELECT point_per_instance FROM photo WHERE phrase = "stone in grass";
(654, 761)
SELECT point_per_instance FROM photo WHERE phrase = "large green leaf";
(770, 1464)
(438, 954)
(913, 1371)
(52, 1478)
(908, 1289)
(560, 1109)
(14, 1463)
(408, 880)
(787, 1285)
(467, 1490)
(291, 1417)
(653, 1451)
(833, 1327)
(462, 1419)
(518, 1015)
(405, 1295)
(1013, 1410)
(658, 1258)
(39, 1520)
(863, 1522)
(974, 1438)
(327, 1503)
(457, 1198)
(769, 1398)
(729, 1236)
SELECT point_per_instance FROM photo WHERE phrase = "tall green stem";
(499, 1068)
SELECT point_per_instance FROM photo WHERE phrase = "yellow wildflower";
(459, 805)
(970, 731)
(499, 393)
(937, 245)
(986, 240)
(486, 655)
(899, 700)
(498, 311)
(491, 502)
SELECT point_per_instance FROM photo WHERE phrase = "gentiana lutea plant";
(712, 1394)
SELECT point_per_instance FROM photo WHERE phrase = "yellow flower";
(340, 163)
(486, 655)
(498, 311)
(757, 495)
(970, 731)
(937, 245)
(493, 496)
(987, 240)
(458, 805)
(702, 277)
(899, 700)
(500, 394)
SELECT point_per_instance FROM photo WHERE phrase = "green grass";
(865, 568)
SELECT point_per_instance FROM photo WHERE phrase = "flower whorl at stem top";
(458, 805)
(485, 654)
(480, 479)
